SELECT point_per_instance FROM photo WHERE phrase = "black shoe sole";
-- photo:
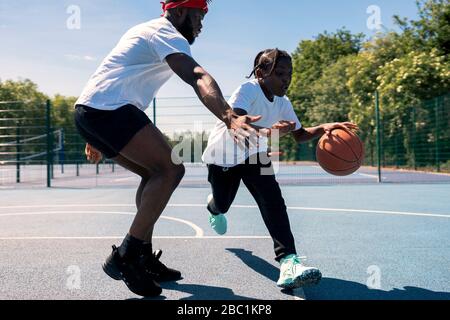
(112, 271)
(115, 274)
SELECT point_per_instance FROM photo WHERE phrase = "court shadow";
(202, 292)
(256, 263)
(336, 289)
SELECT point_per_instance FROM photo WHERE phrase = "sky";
(41, 41)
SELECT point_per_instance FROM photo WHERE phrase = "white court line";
(419, 214)
(155, 237)
(400, 213)
(356, 173)
(124, 179)
(198, 231)
(368, 175)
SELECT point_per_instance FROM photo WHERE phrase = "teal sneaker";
(294, 275)
(218, 222)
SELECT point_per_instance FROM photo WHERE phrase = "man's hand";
(284, 127)
(241, 129)
(92, 154)
(348, 126)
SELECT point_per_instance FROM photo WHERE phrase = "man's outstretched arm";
(210, 94)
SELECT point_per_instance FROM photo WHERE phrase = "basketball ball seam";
(350, 147)
(332, 154)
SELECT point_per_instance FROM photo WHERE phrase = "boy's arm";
(307, 134)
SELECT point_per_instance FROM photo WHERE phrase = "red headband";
(197, 4)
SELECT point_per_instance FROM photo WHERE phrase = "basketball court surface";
(371, 241)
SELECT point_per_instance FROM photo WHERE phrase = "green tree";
(332, 97)
(432, 30)
(310, 60)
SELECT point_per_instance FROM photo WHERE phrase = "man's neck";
(172, 20)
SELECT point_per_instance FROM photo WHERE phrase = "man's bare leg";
(149, 150)
(157, 268)
(145, 176)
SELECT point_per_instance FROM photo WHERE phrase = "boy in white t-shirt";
(228, 164)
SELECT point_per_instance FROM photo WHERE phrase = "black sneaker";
(158, 270)
(133, 273)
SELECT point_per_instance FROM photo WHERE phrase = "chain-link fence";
(35, 150)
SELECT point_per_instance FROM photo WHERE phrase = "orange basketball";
(340, 153)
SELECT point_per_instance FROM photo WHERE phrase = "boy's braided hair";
(267, 60)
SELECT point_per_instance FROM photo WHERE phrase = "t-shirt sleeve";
(243, 98)
(166, 43)
(290, 115)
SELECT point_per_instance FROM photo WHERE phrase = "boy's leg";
(225, 185)
(267, 193)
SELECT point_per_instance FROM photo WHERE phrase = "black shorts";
(109, 131)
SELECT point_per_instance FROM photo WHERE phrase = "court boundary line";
(339, 210)
(199, 233)
(155, 237)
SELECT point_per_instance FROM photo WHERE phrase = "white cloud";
(74, 57)
(89, 58)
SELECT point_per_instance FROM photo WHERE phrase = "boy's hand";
(348, 126)
(92, 154)
(284, 127)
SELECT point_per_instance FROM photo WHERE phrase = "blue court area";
(371, 241)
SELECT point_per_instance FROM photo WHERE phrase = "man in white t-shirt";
(110, 117)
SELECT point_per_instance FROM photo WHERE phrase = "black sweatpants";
(264, 189)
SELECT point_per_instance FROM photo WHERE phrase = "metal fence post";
(436, 113)
(377, 113)
(397, 162)
(49, 144)
(18, 150)
(414, 138)
(62, 155)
